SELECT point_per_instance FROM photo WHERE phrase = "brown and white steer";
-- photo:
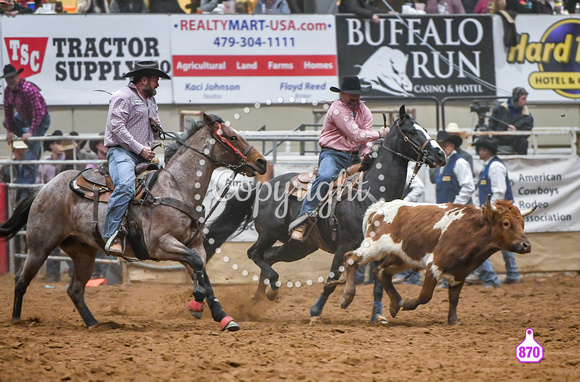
(448, 240)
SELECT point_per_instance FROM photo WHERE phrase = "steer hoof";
(195, 308)
(228, 323)
(271, 293)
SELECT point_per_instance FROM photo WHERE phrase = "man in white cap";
(129, 137)
(347, 133)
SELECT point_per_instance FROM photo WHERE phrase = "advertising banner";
(247, 58)
(394, 55)
(75, 70)
(546, 60)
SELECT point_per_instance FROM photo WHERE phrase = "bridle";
(419, 150)
(220, 138)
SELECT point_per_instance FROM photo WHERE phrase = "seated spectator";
(469, 5)
(9, 8)
(271, 7)
(444, 7)
(165, 6)
(528, 6)
(99, 148)
(128, 6)
(362, 9)
(320, 7)
(489, 6)
(296, 6)
(513, 115)
(92, 6)
(18, 153)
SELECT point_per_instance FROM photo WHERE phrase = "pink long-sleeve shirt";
(348, 130)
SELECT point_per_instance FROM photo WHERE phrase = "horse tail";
(19, 218)
(235, 218)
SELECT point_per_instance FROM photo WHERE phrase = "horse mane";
(191, 126)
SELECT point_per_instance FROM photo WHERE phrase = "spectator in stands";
(56, 149)
(208, 5)
(489, 6)
(469, 5)
(513, 115)
(92, 6)
(494, 181)
(10, 8)
(100, 150)
(165, 6)
(444, 7)
(271, 6)
(320, 7)
(528, 6)
(128, 6)
(362, 9)
(296, 6)
(30, 119)
(18, 152)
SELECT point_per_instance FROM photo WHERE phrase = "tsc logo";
(27, 53)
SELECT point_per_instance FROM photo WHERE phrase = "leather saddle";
(300, 184)
(98, 180)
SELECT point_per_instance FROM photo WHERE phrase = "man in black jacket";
(513, 115)
(361, 8)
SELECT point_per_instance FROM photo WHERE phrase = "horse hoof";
(315, 311)
(314, 320)
(15, 320)
(196, 308)
(345, 302)
(228, 323)
(271, 294)
(379, 320)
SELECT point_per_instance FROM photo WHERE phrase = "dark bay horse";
(57, 217)
(273, 211)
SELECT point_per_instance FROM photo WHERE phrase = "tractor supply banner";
(76, 59)
(246, 58)
(393, 56)
(546, 60)
(551, 184)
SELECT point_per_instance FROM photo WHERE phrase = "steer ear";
(528, 211)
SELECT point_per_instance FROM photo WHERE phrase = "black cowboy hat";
(80, 144)
(488, 142)
(46, 144)
(147, 68)
(351, 85)
(93, 144)
(10, 70)
(443, 136)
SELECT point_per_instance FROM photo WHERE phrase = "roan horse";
(385, 180)
(57, 217)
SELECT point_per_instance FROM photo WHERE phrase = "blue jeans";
(122, 169)
(330, 162)
(487, 274)
(27, 172)
(411, 277)
(511, 268)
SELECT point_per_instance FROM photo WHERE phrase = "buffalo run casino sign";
(557, 55)
(396, 60)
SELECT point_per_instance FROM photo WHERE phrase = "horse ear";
(208, 119)
(402, 112)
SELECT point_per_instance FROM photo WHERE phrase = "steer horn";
(488, 204)
(528, 211)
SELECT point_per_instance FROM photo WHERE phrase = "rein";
(242, 155)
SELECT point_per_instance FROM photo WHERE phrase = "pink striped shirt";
(27, 101)
(128, 121)
(347, 130)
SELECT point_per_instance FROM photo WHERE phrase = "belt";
(342, 151)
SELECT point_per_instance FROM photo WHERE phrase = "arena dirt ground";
(146, 334)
